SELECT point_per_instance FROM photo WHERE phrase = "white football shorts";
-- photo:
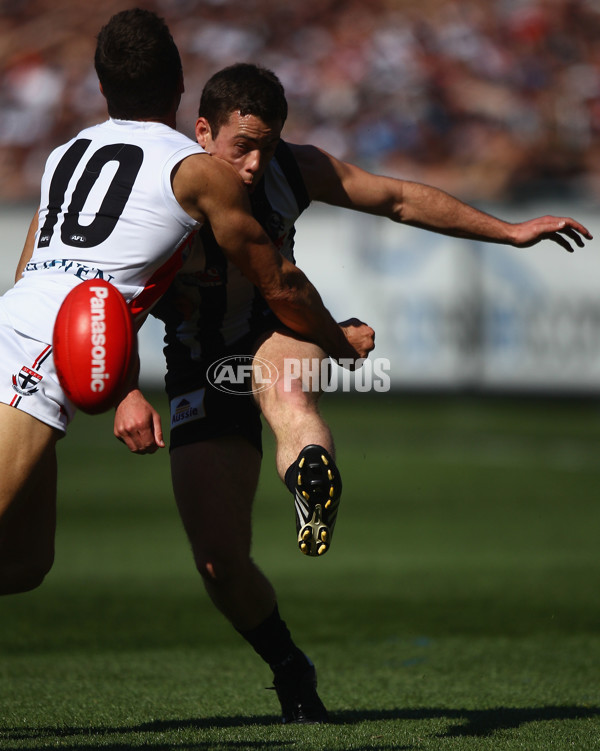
(28, 379)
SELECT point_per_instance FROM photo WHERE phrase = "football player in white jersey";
(117, 202)
(216, 450)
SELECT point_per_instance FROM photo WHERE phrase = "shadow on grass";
(159, 746)
(469, 723)
(472, 722)
(118, 738)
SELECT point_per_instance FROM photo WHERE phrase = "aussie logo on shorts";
(26, 381)
(187, 407)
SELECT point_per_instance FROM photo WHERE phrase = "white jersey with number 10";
(107, 211)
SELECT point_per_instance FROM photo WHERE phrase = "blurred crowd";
(493, 100)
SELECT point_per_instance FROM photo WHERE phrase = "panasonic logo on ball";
(98, 339)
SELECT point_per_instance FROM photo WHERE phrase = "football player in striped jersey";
(214, 315)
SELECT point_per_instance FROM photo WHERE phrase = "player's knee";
(288, 394)
(220, 569)
(22, 577)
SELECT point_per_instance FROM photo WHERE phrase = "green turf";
(458, 608)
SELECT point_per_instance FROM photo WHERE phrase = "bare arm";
(342, 184)
(209, 189)
(27, 248)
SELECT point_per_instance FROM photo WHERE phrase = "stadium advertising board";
(448, 313)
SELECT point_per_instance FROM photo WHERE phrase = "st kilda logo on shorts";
(26, 381)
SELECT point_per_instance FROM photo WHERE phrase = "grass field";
(458, 609)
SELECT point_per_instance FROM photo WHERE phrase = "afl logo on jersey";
(79, 239)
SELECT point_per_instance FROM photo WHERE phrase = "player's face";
(245, 141)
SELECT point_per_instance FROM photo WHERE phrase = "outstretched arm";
(342, 184)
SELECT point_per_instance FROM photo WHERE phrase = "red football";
(95, 345)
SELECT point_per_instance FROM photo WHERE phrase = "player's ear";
(203, 134)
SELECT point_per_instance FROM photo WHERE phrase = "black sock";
(272, 640)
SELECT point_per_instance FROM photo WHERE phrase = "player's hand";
(138, 424)
(361, 338)
(561, 230)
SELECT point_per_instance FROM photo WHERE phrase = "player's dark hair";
(138, 65)
(244, 88)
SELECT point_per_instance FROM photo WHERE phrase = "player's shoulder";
(312, 160)
(149, 135)
(316, 166)
(305, 154)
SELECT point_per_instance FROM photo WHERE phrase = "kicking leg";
(291, 411)
(305, 451)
